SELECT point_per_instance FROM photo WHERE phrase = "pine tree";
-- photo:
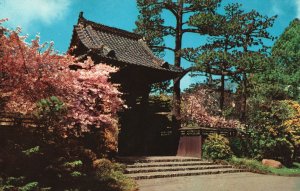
(281, 78)
(151, 25)
(218, 53)
(237, 40)
(239, 50)
(286, 54)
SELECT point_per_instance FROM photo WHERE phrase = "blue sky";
(53, 20)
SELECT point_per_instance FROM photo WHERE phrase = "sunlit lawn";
(257, 166)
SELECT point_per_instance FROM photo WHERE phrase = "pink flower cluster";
(30, 72)
(199, 108)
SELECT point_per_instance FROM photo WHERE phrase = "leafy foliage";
(161, 87)
(72, 107)
(31, 151)
(200, 107)
(230, 53)
(60, 165)
(13, 183)
(73, 164)
(273, 120)
(151, 24)
(111, 174)
(280, 79)
(275, 131)
(37, 79)
(250, 164)
(50, 107)
(240, 145)
(258, 167)
(216, 147)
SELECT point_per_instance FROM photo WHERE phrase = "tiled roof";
(118, 45)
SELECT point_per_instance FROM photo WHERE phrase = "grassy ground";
(257, 166)
(295, 170)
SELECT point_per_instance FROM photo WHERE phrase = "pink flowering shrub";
(31, 72)
(200, 108)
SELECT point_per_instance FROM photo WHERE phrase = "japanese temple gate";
(138, 69)
(144, 127)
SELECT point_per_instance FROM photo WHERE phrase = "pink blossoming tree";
(31, 72)
(199, 108)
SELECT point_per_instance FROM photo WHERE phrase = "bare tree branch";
(163, 47)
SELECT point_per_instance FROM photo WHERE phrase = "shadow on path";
(223, 182)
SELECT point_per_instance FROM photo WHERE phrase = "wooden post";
(190, 143)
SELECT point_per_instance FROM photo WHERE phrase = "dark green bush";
(59, 166)
(239, 146)
(39, 158)
(265, 145)
(216, 147)
(18, 184)
(111, 174)
(274, 132)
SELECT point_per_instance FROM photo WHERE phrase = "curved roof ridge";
(109, 29)
(150, 53)
(115, 44)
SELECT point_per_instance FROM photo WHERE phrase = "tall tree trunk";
(222, 92)
(222, 98)
(244, 98)
(177, 62)
(244, 94)
(209, 80)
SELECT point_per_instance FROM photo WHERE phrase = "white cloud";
(186, 82)
(276, 8)
(26, 13)
(298, 8)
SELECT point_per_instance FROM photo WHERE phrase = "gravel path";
(223, 182)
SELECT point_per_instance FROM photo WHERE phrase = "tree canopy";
(31, 74)
(151, 25)
(280, 79)
(235, 49)
(239, 50)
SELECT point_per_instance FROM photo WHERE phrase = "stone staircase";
(172, 166)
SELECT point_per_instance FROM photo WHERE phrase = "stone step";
(167, 174)
(174, 168)
(162, 164)
(146, 159)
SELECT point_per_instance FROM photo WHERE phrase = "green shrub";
(18, 183)
(111, 175)
(31, 151)
(262, 143)
(216, 147)
(258, 167)
(274, 131)
(35, 162)
(74, 164)
(15, 180)
(239, 146)
(50, 113)
(50, 106)
(30, 186)
(250, 164)
(41, 159)
(76, 174)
